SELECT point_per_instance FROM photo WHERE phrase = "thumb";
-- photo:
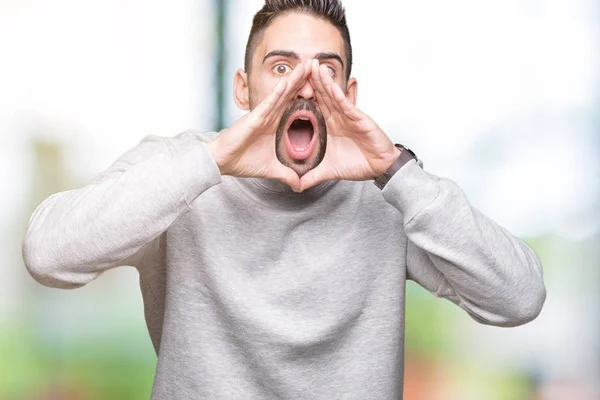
(287, 176)
(313, 177)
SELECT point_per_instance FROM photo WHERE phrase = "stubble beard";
(301, 167)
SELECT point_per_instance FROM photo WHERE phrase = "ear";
(241, 93)
(352, 90)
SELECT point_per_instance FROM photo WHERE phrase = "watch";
(405, 156)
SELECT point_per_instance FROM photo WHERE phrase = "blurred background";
(502, 96)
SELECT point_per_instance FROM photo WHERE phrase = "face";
(301, 137)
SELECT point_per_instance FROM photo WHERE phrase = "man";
(270, 264)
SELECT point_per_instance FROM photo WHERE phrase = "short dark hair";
(329, 10)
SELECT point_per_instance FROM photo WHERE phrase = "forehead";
(301, 33)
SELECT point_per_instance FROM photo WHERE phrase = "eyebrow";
(294, 56)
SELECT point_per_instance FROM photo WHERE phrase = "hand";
(357, 149)
(247, 148)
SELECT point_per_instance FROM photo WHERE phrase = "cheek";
(259, 91)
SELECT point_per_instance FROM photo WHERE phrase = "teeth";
(304, 118)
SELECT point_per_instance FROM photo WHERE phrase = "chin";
(301, 167)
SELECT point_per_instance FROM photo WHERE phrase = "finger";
(278, 96)
(291, 81)
(296, 79)
(321, 89)
(267, 112)
(307, 71)
(295, 82)
(314, 177)
(347, 107)
(342, 103)
(320, 92)
(329, 84)
(272, 99)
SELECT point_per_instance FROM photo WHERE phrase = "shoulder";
(197, 135)
(185, 141)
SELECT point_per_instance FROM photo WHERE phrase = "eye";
(331, 70)
(282, 69)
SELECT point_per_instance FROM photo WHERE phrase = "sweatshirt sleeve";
(120, 217)
(457, 253)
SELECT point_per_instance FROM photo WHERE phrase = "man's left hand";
(357, 149)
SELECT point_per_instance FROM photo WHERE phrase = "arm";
(120, 217)
(458, 253)
(453, 250)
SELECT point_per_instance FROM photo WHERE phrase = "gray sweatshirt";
(252, 291)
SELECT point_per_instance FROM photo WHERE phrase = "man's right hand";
(247, 148)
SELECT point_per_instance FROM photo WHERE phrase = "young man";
(270, 264)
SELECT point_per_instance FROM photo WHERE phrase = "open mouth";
(301, 134)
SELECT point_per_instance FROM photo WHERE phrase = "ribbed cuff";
(411, 189)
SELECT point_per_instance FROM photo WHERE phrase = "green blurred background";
(502, 96)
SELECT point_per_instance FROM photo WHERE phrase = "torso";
(274, 294)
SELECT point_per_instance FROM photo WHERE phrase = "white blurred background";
(503, 97)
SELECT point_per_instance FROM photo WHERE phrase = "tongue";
(300, 137)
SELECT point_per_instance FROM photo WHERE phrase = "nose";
(306, 92)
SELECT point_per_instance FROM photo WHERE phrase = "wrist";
(215, 151)
(404, 156)
(397, 153)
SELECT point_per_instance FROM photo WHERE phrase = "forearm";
(73, 236)
(489, 272)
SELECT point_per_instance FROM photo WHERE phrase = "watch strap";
(405, 156)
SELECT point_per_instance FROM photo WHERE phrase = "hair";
(329, 10)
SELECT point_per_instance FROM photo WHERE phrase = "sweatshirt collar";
(274, 185)
(273, 193)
